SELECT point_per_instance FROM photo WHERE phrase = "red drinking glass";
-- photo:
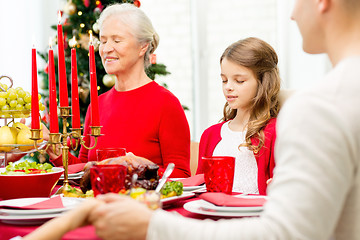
(219, 173)
(107, 178)
(105, 153)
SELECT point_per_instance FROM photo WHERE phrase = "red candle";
(95, 121)
(54, 122)
(74, 89)
(35, 117)
(63, 91)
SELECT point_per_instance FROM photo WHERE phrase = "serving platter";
(183, 196)
(22, 148)
(25, 113)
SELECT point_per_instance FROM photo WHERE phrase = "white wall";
(298, 69)
(217, 24)
(193, 35)
(20, 28)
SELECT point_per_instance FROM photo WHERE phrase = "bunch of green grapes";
(16, 99)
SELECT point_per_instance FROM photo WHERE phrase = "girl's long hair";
(260, 58)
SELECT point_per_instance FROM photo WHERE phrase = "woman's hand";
(52, 152)
(120, 218)
(45, 131)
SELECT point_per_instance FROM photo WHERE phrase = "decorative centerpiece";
(55, 137)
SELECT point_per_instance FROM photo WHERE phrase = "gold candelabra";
(56, 139)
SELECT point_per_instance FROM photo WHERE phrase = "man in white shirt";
(315, 192)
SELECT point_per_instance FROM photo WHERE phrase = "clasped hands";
(113, 216)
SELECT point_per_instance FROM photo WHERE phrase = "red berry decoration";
(86, 3)
(46, 70)
(137, 3)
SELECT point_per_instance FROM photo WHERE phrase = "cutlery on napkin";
(195, 180)
(225, 200)
(51, 203)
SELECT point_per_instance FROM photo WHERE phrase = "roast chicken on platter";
(146, 170)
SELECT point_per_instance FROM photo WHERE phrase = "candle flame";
(59, 16)
(72, 42)
(91, 38)
(50, 43)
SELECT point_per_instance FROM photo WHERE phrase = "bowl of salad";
(28, 179)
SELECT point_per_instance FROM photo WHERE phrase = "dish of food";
(26, 167)
(170, 193)
(146, 170)
(20, 184)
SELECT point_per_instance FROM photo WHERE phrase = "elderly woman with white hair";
(137, 113)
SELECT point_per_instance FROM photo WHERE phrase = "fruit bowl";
(20, 148)
(15, 113)
(30, 185)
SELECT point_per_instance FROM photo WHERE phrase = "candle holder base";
(62, 189)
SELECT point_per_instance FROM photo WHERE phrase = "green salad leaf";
(26, 167)
(173, 186)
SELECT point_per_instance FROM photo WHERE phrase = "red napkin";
(222, 199)
(50, 203)
(75, 168)
(196, 180)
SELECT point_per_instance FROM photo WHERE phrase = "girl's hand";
(57, 227)
(268, 181)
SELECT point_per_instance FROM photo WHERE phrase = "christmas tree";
(79, 20)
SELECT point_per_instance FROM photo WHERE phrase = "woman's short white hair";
(137, 20)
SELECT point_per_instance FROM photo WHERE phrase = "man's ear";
(324, 5)
(143, 49)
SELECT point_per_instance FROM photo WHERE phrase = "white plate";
(68, 203)
(212, 207)
(197, 207)
(183, 196)
(188, 188)
(193, 188)
(27, 219)
(73, 176)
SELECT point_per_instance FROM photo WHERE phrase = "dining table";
(8, 231)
